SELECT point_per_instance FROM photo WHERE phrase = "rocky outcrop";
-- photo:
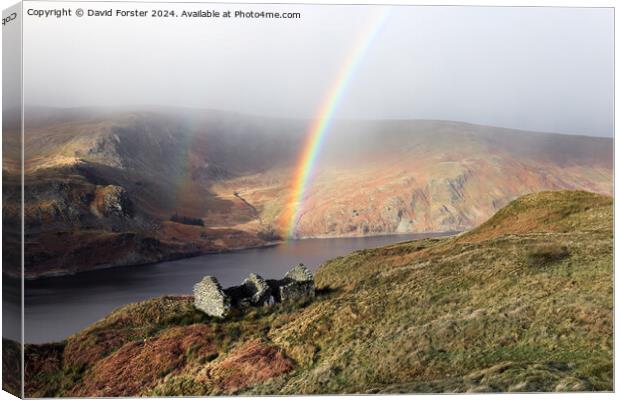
(298, 283)
(113, 200)
(210, 298)
(109, 201)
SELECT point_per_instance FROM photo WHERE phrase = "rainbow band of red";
(321, 124)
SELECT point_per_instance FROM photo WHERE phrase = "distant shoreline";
(60, 274)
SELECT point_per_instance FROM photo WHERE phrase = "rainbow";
(322, 122)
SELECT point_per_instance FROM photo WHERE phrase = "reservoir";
(60, 306)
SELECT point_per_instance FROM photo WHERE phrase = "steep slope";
(102, 188)
(421, 176)
(165, 183)
(522, 303)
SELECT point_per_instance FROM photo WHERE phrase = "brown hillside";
(500, 309)
(104, 173)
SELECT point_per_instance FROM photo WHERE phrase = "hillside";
(156, 184)
(522, 303)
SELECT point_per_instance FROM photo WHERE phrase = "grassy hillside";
(522, 303)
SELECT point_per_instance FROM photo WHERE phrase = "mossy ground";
(522, 303)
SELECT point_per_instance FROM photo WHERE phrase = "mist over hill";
(133, 180)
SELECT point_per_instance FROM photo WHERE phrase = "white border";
(503, 3)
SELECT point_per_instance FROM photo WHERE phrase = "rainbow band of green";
(320, 127)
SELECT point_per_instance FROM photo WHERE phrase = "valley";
(117, 187)
(521, 303)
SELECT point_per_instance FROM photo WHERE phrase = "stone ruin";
(210, 298)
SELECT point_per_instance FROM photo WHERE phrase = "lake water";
(58, 307)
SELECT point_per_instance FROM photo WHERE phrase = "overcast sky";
(545, 69)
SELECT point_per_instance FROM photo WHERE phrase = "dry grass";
(11, 367)
(137, 365)
(514, 305)
(544, 254)
(134, 322)
(250, 363)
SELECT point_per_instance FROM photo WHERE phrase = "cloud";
(546, 69)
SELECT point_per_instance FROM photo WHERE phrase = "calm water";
(58, 307)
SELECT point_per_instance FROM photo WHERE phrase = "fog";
(543, 69)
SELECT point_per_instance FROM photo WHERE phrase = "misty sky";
(545, 69)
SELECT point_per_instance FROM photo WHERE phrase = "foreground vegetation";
(522, 303)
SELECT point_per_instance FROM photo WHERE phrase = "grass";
(11, 367)
(522, 303)
(544, 254)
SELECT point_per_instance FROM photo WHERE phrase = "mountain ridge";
(371, 178)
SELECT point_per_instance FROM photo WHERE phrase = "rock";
(112, 200)
(210, 298)
(300, 273)
(298, 284)
(294, 291)
(259, 291)
(116, 201)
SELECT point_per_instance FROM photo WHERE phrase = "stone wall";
(209, 297)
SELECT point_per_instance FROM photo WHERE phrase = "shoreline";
(178, 256)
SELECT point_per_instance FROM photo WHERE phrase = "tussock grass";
(541, 255)
(522, 303)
